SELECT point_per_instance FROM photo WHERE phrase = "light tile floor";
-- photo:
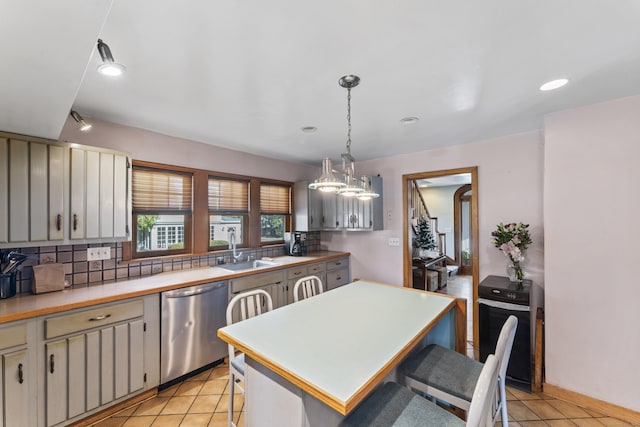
(202, 400)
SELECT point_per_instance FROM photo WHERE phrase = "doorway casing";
(407, 246)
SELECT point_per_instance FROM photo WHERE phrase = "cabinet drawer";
(13, 336)
(255, 281)
(297, 272)
(337, 278)
(96, 317)
(339, 263)
(314, 269)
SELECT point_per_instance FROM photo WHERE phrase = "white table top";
(338, 345)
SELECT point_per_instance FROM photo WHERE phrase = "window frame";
(196, 227)
(244, 214)
(273, 212)
(187, 214)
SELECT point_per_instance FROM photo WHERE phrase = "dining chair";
(309, 285)
(394, 405)
(452, 377)
(241, 307)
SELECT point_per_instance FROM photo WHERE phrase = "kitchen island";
(312, 362)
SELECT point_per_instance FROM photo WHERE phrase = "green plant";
(213, 243)
(145, 224)
(423, 236)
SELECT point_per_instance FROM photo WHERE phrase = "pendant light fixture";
(327, 181)
(351, 186)
(109, 67)
(367, 192)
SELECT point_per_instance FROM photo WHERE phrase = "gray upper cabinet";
(100, 182)
(315, 210)
(57, 192)
(32, 192)
(308, 207)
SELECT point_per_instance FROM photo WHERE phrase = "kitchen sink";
(251, 265)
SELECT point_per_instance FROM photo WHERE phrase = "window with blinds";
(228, 202)
(162, 207)
(228, 196)
(275, 199)
(161, 191)
(275, 209)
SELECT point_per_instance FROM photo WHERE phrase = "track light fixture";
(108, 67)
(84, 126)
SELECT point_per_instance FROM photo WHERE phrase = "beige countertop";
(24, 306)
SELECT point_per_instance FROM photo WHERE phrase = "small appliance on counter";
(297, 247)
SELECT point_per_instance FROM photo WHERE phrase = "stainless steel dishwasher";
(191, 318)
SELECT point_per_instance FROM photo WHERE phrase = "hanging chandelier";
(351, 186)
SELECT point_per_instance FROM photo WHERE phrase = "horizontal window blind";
(159, 190)
(275, 199)
(227, 195)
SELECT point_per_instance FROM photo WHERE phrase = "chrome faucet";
(232, 244)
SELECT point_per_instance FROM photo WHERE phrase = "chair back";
(310, 286)
(480, 410)
(505, 344)
(245, 306)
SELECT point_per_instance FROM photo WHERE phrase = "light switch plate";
(95, 254)
(394, 241)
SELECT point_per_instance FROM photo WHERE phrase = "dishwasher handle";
(194, 290)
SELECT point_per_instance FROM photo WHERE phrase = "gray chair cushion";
(238, 363)
(444, 369)
(394, 405)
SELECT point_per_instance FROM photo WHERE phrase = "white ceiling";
(249, 74)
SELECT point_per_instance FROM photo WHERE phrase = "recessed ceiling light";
(409, 120)
(554, 84)
(309, 129)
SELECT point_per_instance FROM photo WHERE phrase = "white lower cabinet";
(96, 357)
(16, 376)
(338, 273)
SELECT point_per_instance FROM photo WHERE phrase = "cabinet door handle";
(99, 317)
(75, 222)
(58, 222)
(52, 363)
(297, 273)
(339, 278)
(20, 374)
(337, 223)
(310, 219)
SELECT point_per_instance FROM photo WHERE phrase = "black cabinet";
(498, 299)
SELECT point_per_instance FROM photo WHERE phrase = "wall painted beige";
(510, 186)
(591, 207)
(155, 147)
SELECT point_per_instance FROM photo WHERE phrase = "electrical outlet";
(394, 241)
(96, 254)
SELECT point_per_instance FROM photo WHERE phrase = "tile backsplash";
(80, 272)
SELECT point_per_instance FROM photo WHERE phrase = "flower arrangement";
(512, 239)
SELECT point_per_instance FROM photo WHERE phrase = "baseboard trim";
(606, 408)
(98, 416)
